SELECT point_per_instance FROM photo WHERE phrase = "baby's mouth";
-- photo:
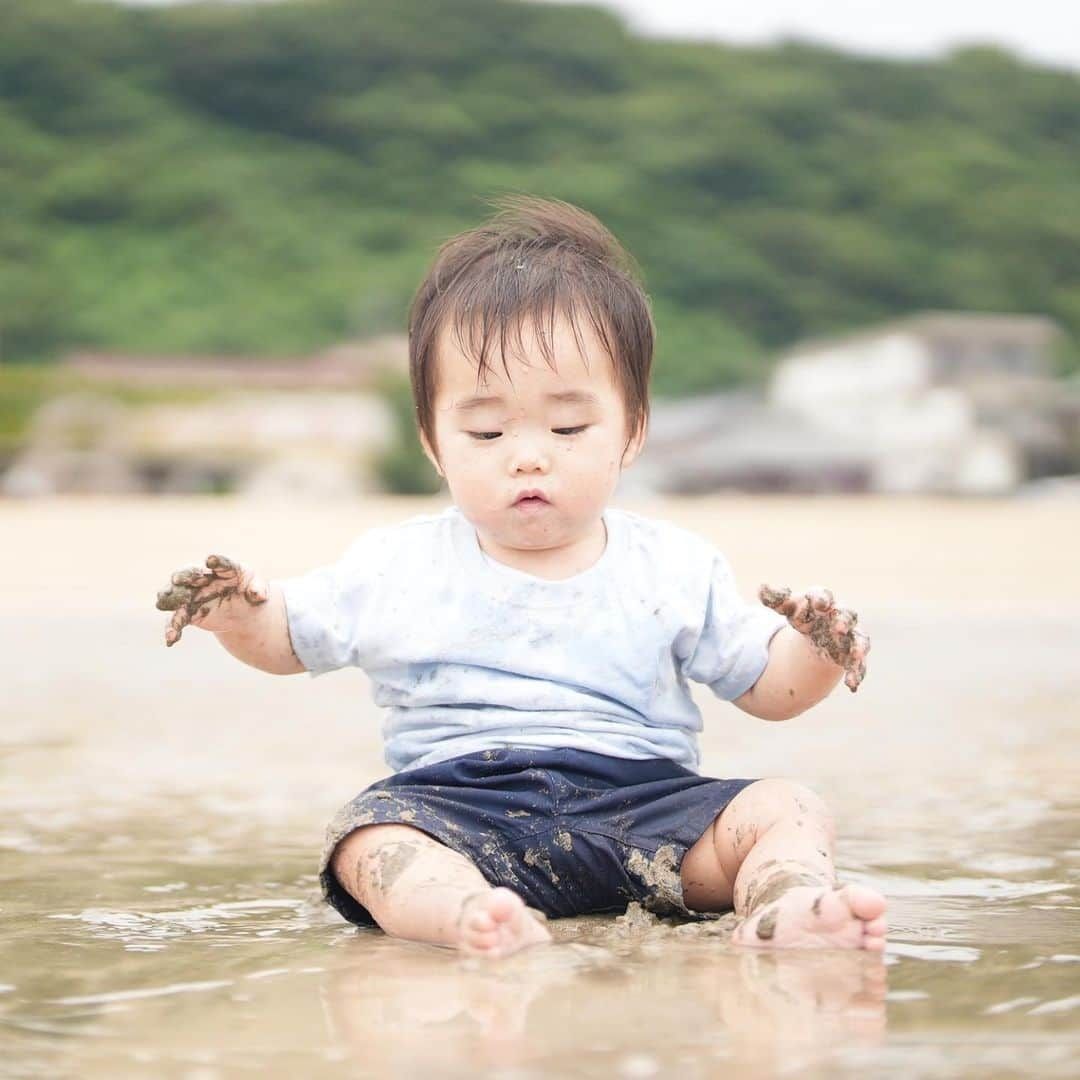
(530, 500)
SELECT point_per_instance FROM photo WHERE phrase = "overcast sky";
(1044, 31)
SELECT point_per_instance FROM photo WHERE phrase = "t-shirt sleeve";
(733, 648)
(331, 611)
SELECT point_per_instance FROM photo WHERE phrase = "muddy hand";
(203, 595)
(831, 629)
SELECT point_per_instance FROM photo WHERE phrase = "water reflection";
(160, 819)
(625, 1008)
(225, 969)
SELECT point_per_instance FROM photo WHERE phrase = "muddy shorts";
(571, 832)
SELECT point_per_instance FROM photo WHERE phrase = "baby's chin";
(530, 531)
(537, 530)
(511, 541)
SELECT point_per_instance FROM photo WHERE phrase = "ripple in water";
(151, 931)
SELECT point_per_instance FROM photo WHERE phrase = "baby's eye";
(570, 430)
(485, 435)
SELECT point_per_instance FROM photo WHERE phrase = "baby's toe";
(867, 904)
(504, 905)
(876, 927)
(479, 922)
(474, 914)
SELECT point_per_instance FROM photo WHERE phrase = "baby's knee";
(790, 799)
(355, 852)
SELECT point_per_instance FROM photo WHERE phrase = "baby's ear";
(430, 454)
(635, 446)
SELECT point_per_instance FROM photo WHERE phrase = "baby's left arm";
(807, 657)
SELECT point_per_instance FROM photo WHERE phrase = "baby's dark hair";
(535, 259)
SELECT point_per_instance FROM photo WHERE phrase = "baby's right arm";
(247, 615)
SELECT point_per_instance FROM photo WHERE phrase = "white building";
(295, 426)
(949, 401)
(939, 402)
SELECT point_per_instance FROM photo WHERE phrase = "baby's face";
(561, 433)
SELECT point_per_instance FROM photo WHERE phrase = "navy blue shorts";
(571, 832)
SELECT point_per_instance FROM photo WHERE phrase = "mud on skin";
(766, 888)
(390, 861)
(847, 648)
(192, 592)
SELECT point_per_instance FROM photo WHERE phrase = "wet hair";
(534, 260)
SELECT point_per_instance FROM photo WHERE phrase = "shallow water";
(161, 811)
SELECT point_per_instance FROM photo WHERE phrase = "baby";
(532, 644)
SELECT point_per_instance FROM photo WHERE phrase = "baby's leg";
(419, 889)
(770, 855)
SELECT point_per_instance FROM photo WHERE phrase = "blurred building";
(941, 402)
(305, 426)
(347, 366)
(938, 402)
(738, 441)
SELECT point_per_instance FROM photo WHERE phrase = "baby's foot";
(497, 923)
(809, 917)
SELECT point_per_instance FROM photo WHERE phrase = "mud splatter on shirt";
(467, 654)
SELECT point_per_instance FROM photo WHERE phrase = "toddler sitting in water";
(533, 644)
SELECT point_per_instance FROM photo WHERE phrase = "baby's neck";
(551, 564)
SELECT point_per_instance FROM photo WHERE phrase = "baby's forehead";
(475, 363)
(531, 383)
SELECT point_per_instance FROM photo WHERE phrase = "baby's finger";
(860, 646)
(802, 614)
(844, 621)
(193, 576)
(176, 626)
(855, 666)
(257, 591)
(795, 607)
(820, 598)
(173, 598)
(777, 599)
(223, 566)
(854, 675)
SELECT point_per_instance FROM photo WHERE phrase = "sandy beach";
(162, 810)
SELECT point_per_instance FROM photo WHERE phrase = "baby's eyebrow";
(572, 397)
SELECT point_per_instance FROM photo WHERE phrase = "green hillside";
(270, 179)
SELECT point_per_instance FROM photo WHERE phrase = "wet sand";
(161, 811)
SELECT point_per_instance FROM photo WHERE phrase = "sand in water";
(161, 811)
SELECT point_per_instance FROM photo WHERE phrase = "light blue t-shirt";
(468, 654)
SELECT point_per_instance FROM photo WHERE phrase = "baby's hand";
(831, 629)
(207, 596)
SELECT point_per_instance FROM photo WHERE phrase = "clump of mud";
(639, 924)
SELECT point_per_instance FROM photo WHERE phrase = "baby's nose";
(531, 464)
(530, 458)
